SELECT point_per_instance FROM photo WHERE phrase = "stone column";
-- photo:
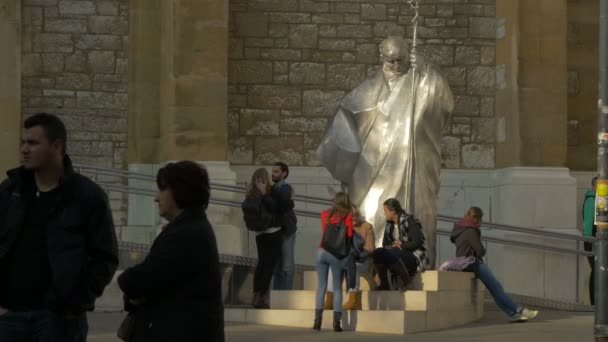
(178, 103)
(532, 82)
(179, 80)
(10, 83)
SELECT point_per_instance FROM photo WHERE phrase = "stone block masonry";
(74, 61)
(291, 62)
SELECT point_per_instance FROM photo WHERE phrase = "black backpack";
(256, 215)
(335, 239)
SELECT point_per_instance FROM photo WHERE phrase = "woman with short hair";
(175, 293)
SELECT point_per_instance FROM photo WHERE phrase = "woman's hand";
(262, 186)
(397, 244)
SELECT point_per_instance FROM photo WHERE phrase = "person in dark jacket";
(268, 241)
(466, 235)
(175, 293)
(58, 247)
(283, 194)
(403, 251)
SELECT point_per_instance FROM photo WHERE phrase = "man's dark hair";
(188, 182)
(283, 167)
(53, 127)
(594, 180)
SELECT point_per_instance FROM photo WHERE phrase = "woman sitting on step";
(466, 235)
(355, 269)
(337, 225)
(403, 250)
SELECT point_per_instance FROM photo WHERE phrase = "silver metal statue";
(385, 140)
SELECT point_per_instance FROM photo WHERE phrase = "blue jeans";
(325, 262)
(283, 274)
(504, 302)
(42, 326)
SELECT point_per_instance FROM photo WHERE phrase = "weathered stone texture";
(75, 65)
(298, 58)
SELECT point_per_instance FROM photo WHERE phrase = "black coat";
(180, 282)
(81, 240)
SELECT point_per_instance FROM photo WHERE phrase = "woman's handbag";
(127, 327)
(458, 264)
(335, 240)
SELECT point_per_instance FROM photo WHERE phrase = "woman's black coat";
(181, 284)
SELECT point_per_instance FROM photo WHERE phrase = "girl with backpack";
(258, 209)
(334, 253)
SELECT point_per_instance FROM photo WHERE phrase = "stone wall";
(74, 64)
(291, 62)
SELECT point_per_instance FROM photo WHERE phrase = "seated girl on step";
(466, 235)
(403, 250)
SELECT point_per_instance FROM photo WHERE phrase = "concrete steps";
(438, 300)
(389, 322)
(385, 300)
(427, 281)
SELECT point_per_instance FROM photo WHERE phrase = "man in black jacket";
(283, 195)
(58, 247)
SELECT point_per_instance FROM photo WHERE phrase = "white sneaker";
(524, 315)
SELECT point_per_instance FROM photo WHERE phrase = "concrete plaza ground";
(549, 326)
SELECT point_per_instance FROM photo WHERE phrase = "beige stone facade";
(253, 81)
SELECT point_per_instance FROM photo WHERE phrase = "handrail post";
(601, 201)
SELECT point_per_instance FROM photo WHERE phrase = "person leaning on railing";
(466, 235)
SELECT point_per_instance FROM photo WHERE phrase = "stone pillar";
(178, 104)
(179, 80)
(10, 83)
(532, 83)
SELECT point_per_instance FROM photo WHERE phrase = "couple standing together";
(276, 242)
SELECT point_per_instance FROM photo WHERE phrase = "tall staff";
(410, 202)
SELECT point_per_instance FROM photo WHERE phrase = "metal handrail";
(307, 213)
(526, 244)
(324, 201)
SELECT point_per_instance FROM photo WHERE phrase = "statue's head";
(394, 52)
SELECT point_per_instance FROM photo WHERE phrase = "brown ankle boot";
(329, 301)
(353, 301)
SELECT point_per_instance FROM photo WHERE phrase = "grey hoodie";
(467, 239)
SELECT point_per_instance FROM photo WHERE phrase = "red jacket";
(348, 220)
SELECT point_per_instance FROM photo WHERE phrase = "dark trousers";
(42, 326)
(269, 252)
(389, 256)
(591, 261)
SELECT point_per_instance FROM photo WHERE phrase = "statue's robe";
(367, 145)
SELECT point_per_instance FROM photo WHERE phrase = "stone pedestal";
(10, 83)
